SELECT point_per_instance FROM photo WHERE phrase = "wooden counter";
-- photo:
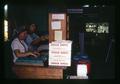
(37, 72)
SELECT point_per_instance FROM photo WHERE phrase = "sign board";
(58, 16)
(56, 25)
(58, 35)
(60, 53)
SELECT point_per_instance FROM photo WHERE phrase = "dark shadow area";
(98, 46)
(8, 61)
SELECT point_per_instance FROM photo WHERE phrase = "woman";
(19, 47)
(33, 40)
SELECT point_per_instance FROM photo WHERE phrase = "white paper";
(58, 16)
(59, 56)
(56, 25)
(81, 70)
(57, 35)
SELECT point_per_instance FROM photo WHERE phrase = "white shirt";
(16, 44)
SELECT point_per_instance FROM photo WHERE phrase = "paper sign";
(56, 25)
(59, 56)
(57, 35)
(81, 70)
(58, 16)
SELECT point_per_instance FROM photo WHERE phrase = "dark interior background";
(96, 45)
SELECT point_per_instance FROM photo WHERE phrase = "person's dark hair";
(18, 31)
(28, 26)
(21, 29)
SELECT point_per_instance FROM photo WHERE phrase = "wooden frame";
(63, 27)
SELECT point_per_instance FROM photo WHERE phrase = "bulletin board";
(57, 26)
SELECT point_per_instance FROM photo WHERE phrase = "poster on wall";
(60, 53)
(56, 25)
(58, 16)
(57, 35)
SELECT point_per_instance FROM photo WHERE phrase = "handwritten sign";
(60, 53)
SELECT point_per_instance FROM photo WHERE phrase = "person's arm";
(23, 54)
(34, 39)
(38, 40)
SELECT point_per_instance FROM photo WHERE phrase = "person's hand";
(37, 53)
(31, 54)
(43, 38)
(46, 37)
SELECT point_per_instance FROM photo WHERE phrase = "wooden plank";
(36, 72)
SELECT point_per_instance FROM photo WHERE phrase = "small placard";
(57, 35)
(82, 70)
(58, 16)
(56, 25)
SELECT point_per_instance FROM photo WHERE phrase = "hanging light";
(103, 5)
(95, 6)
(6, 7)
(85, 5)
(5, 23)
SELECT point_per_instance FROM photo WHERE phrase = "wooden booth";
(57, 31)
